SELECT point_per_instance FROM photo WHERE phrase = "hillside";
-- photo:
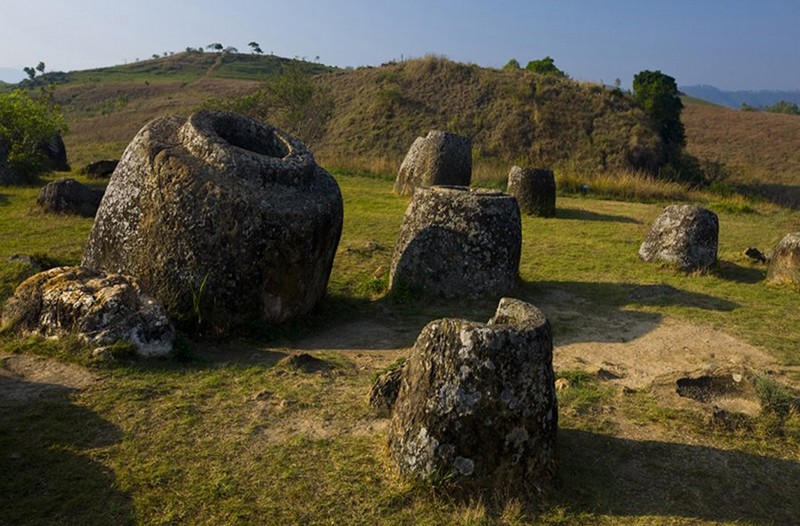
(760, 150)
(512, 116)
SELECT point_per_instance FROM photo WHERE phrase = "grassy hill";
(513, 117)
(760, 150)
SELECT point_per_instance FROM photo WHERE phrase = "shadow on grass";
(607, 475)
(46, 477)
(3, 199)
(585, 215)
(733, 272)
(780, 194)
(598, 312)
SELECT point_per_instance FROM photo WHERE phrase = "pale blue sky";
(731, 44)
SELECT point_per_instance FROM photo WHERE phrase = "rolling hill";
(512, 116)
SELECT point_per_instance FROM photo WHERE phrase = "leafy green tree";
(545, 66)
(512, 64)
(24, 124)
(789, 108)
(40, 67)
(255, 47)
(216, 46)
(657, 94)
(29, 71)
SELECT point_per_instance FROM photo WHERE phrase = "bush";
(25, 123)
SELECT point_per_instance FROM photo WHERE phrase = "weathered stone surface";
(683, 235)
(458, 242)
(440, 158)
(478, 400)
(784, 264)
(56, 153)
(222, 216)
(100, 169)
(534, 189)
(384, 391)
(68, 196)
(99, 307)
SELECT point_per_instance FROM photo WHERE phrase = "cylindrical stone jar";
(535, 190)
(458, 242)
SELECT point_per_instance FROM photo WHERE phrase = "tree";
(29, 71)
(40, 67)
(230, 49)
(657, 94)
(545, 66)
(24, 124)
(784, 106)
(255, 47)
(512, 64)
(216, 46)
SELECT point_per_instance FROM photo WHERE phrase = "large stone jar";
(458, 242)
(784, 264)
(222, 217)
(686, 236)
(477, 400)
(439, 158)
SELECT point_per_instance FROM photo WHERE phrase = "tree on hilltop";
(216, 46)
(255, 47)
(657, 94)
(512, 64)
(545, 66)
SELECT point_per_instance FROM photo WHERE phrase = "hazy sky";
(731, 44)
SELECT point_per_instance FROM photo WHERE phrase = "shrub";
(24, 124)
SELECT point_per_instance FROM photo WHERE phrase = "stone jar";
(458, 242)
(478, 401)
(439, 158)
(225, 219)
(534, 189)
(784, 264)
(686, 236)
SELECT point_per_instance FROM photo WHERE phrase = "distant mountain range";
(735, 99)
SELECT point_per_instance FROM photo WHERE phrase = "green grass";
(233, 434)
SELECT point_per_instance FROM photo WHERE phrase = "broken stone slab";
(222, 217)
(477, 400)
(439, 158)
(99, 307)
(458, 242)
(68, 196)
(686, 236)
(534, 189)
(784, 264)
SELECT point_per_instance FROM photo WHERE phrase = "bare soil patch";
(24, 377)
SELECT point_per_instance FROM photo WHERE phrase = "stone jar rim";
(247, 147)
(465, 190)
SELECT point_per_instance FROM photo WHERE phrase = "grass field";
(234, 432)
